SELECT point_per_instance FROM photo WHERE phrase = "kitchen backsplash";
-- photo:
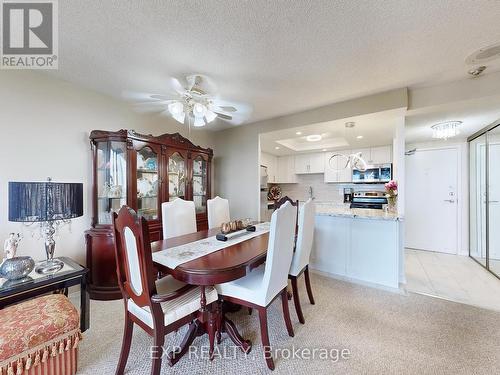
(322, 192)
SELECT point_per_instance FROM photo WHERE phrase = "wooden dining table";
(227, 264)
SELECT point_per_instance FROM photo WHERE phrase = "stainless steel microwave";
(379, 173)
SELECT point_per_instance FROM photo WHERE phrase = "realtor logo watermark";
(29, 34)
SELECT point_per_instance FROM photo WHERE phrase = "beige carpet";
(386, 333)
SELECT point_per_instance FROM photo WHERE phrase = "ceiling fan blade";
(162, 97)
(176, 85)
(228, 108)
(149, 107)
(133, 96)
(223, 116)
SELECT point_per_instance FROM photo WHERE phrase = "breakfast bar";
(359, 245)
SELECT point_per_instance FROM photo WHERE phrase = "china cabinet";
(141, 171)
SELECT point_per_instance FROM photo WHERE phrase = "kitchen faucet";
(311, 192)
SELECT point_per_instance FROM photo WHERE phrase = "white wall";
(462, 189)
(237, 161)
(45, 125)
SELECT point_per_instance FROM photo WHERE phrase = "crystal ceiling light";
(445, 130)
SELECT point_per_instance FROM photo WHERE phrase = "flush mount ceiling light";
(484, 54)
(359, 137)
(445, 130)
(277, 148)
(298, 133)
(313, 138)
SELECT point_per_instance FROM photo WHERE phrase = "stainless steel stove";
(369, 199)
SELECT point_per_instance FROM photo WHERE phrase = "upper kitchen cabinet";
(285, 171)
(309, 163)
(335, 170)
(376, 155)
(381, 155)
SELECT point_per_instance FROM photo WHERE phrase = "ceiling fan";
(194, 100)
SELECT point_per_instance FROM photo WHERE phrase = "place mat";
(177, 255)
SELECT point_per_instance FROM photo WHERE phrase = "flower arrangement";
(391, 193)
(391, 188)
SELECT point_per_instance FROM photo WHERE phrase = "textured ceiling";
(279, 57)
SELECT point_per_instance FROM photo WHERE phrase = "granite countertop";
(341, 210)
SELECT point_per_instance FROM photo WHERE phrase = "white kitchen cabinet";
(270, 161)
(376, 155)
(285, 170)
(310, 163)
(381, 155)
(335, 171)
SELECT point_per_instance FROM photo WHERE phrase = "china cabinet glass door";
(176, 176)
(147, 183)
(111, 179)
(200, 176)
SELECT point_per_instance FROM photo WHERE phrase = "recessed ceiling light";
(277, 148)
(314, 137)
(359, 137)
(298, 133)
(324, 150)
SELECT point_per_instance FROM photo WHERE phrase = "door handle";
(450, 200)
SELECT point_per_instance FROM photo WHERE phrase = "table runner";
(177, 255)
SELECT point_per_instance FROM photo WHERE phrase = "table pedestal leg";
(191, 334)
(229, 327)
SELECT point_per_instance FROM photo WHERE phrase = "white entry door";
(431, 207)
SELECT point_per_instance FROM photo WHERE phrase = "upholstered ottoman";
(39, 337)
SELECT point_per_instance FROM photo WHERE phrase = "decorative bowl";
(17, 268)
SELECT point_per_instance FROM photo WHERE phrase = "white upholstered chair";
(178, 218)
(157, 306)
(218, 212)
(263, 284)
(300, 261)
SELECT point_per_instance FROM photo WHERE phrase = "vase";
(392, 205)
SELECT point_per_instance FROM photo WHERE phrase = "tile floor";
(453, 277)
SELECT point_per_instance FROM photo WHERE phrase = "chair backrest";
(282, 201)
(304, 238)
(279, 250)
(134, 263)
(218, 212)
(178, 218)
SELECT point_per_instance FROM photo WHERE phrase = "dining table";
(233, 261)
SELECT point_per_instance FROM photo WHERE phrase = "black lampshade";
(45, 201)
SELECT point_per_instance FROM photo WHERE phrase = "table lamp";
(50, 204)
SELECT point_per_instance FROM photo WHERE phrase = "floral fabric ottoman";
(39, 336)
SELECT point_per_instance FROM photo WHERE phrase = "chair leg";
(296, 300)
(308, 286)
(286, 312)
(212, 329)
(159, 339)
(264, 334)
(219, 322)
(127, 341)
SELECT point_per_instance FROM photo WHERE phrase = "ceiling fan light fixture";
(199, 110)
(199, 122)
(210, 116)
(180, 117)
(313, 138)
(176, 108)
(445, 130)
